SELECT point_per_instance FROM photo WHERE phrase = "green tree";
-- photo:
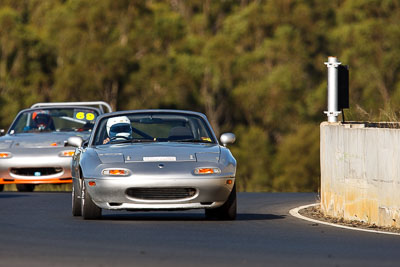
(367, 35)
(253, 67)
(253, 152)
(297, 167)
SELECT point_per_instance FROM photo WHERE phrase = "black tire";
(25, 187)
(226, 211)
(89, 210)
(76, 200)
(1, 187)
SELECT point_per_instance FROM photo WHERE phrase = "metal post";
(333, 111)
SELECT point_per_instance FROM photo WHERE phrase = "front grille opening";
(164, 193)
(114, 204)
(206, 203)
(36, 171)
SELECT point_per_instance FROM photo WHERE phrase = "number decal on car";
(89, 116)
(80, 115)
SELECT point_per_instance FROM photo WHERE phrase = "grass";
(357, 113)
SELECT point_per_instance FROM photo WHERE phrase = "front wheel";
(89, 210)
(25, 187)
(76, 200)
(226, 211)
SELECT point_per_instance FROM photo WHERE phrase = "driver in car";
(40, 122)
(118, 128)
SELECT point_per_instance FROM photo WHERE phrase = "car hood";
(37, 140)
(159, 152)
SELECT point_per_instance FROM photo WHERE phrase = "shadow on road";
(153, 217)
(259, 217)
(2, 195)
(185, 217)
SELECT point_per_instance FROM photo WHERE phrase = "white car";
(153, 160)
(33, 150)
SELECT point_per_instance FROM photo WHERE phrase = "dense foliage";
(254, 67)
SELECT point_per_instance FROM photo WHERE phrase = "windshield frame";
(30, 110)
(101, 120)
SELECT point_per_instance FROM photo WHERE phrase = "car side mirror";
(85, 143)
(227, 138)
(75, 141)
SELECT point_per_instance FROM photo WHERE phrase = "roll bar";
(103, 106)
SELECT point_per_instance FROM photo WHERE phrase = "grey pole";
(333, 111)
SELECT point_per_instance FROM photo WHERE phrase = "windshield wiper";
(190, 141)
(132, 141)
(142, 141)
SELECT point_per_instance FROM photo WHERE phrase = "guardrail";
(360, 172)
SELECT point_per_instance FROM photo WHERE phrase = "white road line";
(295, 212)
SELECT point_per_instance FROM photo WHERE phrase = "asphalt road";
(37, 229)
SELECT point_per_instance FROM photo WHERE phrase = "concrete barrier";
(360, 173)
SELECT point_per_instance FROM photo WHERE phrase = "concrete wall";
(360, 173)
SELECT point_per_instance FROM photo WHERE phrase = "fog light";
(5, 155)
(207, 171)
(91, 183)
(67, 153)
(115, 172)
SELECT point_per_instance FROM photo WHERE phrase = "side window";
(21, 123)
(101, 133)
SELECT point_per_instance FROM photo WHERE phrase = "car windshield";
(153, 127)
(54, 119)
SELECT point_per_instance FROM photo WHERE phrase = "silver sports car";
(153, 160)
(33, 150)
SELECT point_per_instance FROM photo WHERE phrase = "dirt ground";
(316, 214)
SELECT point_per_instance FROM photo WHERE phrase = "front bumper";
(63, 164)
(36, 181)
(111, 193)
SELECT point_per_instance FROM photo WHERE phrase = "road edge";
(295, 213)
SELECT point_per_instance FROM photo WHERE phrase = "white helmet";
(119, 126)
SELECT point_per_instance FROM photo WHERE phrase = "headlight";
(207, 171)
(5, 155)
(67, 153)
(115, 172)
